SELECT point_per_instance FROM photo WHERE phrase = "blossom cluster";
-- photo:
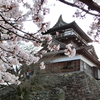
(54, 47)
(12, 33)
(69, 51)
(42, 66)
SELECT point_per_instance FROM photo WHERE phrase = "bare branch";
(73, 5)
(91, 5)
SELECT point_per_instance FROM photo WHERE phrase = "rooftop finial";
(60, 22)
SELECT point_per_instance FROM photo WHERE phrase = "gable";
(92, 52)
(62, 26)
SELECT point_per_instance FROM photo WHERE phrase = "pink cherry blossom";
(66, 52)
(73, 53)
(48, 37)
(42, 66)
(57, 33)
(69, 51)
(53, 47)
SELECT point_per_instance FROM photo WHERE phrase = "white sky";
(67, 12)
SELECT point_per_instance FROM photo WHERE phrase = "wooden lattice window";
(76, 65)
(72, 66)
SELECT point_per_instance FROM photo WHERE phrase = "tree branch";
(87, 11)
(91, 5)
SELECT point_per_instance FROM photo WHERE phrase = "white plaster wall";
(65, 58)
(98, 73)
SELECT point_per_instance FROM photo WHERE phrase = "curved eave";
(72, 25)
(89, 56)
(94, 52)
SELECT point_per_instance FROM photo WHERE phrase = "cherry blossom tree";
(12, 32)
